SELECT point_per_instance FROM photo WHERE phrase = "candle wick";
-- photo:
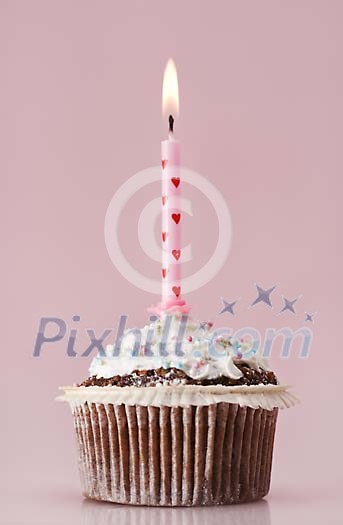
(171, 124)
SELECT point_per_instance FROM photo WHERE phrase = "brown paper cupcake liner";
(175, 456)
(102, 513)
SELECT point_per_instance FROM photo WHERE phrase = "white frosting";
(256, 396)
(204, 354)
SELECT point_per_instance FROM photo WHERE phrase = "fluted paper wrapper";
(97, 513)
(175, 456)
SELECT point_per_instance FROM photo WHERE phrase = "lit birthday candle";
(171, 196)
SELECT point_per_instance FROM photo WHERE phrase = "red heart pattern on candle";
(176, 217)
(164, 236)
(176, 181)
(164, 272)
(164, 200)
(164, 163)
(177, 291)
(176, 254)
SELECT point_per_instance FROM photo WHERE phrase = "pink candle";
(171, 198)
(171, 222)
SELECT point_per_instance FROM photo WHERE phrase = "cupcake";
(176, 414)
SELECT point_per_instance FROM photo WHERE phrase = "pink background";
(261, 116)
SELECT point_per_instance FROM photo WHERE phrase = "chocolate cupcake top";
(178, 350)
(173, 376)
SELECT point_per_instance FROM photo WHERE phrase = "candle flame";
(170, 90)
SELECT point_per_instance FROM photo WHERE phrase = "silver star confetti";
(263, 296)
(228, 307)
